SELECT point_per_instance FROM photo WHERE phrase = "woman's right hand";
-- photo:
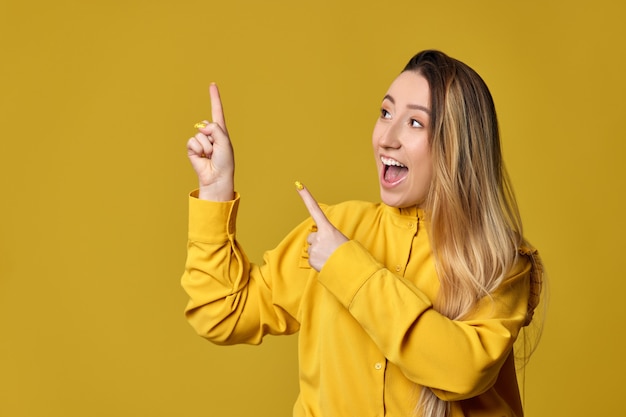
(211, 154)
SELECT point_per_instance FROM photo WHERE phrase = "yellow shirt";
(369, 338)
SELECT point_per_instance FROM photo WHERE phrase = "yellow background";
(97, 100)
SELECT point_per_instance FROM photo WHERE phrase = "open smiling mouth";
(394, 171)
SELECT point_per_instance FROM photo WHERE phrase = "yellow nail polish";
(299, 185)
(200, 125)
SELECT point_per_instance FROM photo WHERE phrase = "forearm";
(230, 299)
(426, 345)
(216, 271)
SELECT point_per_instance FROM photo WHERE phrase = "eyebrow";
(410, 106)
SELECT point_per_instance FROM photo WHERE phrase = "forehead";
(410, 87)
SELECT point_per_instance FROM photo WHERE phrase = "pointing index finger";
(314, 209)
(217, 112)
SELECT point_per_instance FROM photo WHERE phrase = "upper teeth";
(389, 161)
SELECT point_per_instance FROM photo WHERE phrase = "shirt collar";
(401, 215)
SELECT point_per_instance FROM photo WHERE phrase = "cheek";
(428, 175)
(424, 167)
(428, 168)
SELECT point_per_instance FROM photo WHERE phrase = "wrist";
(217, 192)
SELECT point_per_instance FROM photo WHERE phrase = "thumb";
(314, 209)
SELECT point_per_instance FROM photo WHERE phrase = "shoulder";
(527, 273)
(346, 215)
(351, 206)
(536, 279)
(353, 209)
(527, 261)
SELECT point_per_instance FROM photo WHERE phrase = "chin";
(393, 201)
(399, 201)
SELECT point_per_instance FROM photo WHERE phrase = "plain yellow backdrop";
(97, 100)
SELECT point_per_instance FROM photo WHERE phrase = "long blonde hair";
(475, 223)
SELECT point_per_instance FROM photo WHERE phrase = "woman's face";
(401, 142)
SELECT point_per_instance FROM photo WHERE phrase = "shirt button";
(410, 225)
(398, 268)
(378, 366)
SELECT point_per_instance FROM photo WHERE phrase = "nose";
(389, 136)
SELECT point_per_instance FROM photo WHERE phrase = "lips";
(393, 171)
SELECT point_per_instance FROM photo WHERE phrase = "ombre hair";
(476, 229)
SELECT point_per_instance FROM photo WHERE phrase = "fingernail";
(299, 185)
(200, 125)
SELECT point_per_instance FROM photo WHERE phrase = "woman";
(406, 307)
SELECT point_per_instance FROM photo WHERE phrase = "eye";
(384, 114)
(415, 123)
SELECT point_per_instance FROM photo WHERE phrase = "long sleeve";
(231, 300)
(369, 337)
(457, 359)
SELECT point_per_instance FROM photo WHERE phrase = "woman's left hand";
(326, 239)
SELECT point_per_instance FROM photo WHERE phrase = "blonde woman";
(407, 307)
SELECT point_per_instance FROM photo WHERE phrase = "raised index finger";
(217, 112)
(314, 209)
